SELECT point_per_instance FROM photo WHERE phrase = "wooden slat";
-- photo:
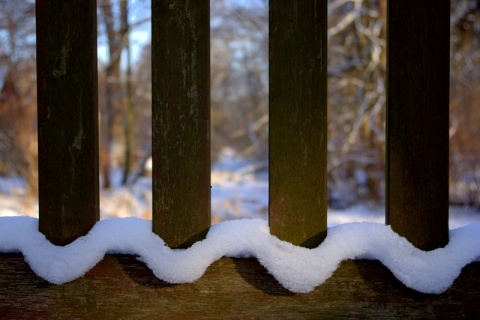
(181, 117)
(122, 287)
(67, 118)
(418, 120)
(298, 128)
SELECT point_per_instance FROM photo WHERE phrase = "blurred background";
(239, 106)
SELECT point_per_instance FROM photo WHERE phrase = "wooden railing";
(417, 164)
(417, 120)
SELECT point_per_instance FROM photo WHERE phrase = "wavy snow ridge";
(297, 269)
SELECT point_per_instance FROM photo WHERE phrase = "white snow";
(297, 269)
(239, 190)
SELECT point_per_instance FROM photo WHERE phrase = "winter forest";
(239, 106)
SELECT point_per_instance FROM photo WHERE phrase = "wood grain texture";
(120, 287)
(181, 120)
(67, 118)
(418, 120)
(298, 121)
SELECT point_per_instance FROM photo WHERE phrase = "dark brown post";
(298, 121)
(181, 120)
(67, 118)
(418, 120)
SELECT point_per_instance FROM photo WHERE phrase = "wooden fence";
(417, 120)
(417, 164)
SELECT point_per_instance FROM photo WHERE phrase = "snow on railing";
(416, 152)
(296, 268)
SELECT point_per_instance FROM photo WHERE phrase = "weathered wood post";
(181, 120)
(298, 121)
(67, 118)
(418, 120)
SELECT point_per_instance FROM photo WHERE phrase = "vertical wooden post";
(181, 120)
(298, 121)
(67, 118)
(418, 120)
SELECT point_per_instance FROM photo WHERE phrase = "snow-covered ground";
(239, 190)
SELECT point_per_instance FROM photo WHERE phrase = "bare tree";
(112, 75)
(118, 98)
(239, 72)
(356, 98)
(464, 103)
(128, 114)
(18, 151)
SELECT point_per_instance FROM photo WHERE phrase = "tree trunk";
(128, 115)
